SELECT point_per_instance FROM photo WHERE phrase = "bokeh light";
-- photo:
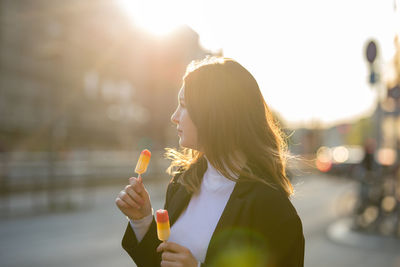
(324, 159)
(386, 156)
(388, 203)
(370, 214)
(340, 154)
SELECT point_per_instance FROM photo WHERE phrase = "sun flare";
(157, 17)
(265, 37)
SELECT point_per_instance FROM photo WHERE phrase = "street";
(91, 235)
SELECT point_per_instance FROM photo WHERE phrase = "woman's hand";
(134, 200)
(176, 255)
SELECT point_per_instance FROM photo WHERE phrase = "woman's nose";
(174, 119)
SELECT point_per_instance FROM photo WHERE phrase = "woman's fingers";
(120, 203)
(128, 200)
(161, 247)
(136, 185)
(134, 200)
(168, 264)
(176, 255)
(169, 256)
(134, 194)
(171, 246)
(123, 204)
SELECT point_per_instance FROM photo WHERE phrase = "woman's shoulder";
(269, 199)
(263, 191)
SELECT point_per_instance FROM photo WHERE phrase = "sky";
(307, 56)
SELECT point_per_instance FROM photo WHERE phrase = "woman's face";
(187, 131)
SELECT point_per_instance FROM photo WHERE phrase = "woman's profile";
(228, 199)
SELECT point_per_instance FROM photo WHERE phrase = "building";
(77, 75)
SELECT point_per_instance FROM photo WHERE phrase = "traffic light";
(394, 92)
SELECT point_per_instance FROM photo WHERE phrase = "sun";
(158, 17)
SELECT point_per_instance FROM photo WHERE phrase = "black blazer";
(258, 227)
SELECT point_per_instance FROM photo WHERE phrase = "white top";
(194, 228)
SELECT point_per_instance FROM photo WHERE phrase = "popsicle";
(162, 224)
(142, 163)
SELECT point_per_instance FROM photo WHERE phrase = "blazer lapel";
(233, 206)
(178, 203)
(232, 211)
(182, 197)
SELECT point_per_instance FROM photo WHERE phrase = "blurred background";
(85, 85)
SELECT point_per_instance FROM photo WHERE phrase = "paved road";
(91, 235)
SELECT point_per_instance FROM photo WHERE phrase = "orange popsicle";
(162, 219)
(143, 161)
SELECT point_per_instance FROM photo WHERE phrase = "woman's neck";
(237, 158)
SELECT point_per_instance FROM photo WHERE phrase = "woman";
(228, 199)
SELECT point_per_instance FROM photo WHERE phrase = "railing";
(50, 181)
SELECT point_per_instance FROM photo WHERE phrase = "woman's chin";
(182, 143)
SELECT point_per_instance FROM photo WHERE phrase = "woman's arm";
(134, 202)
(144, 252)
(286, 243)
(279, 224)
(140, 227)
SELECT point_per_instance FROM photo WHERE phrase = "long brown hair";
(235, 128)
